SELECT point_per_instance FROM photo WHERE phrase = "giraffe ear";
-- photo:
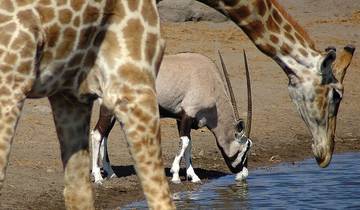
(342, 62)
(326, 67)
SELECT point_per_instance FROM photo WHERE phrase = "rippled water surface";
(302, 185)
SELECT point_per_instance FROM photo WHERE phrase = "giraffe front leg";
(72, 120)
(10, 110)
(137, 110)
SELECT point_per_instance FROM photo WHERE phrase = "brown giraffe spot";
(69, 76)
(5, 68)
(127, 91)
(52, 35)
(141, 115)
(65, 16)
(133, 33)
(46, 13)
(76, 21)
(150, 46)
(22, 2)
(61, 2)
(10, 58)
(290, 37)
(133, 4)
(268, 4)
(276, 16)
(314, 54)
(75, 60)
(231, 2)
(254, 29)
(239, 13)
(5, 39)
(99, 38)
(268, 49)
(4, 91)
(287, 28)
(157, 179)
(137, 146)
(152, 151)
(141, 128)
(45, 2)
(7, 5)
(303, 52)
(111, 49)
(134, 75)
(10, 120)
(77, 4)
(300, 39)
(90, 59)
(86, 35)
(91, 14)
(46, 57)
(115, 8)
(25, 67)
(319, 90)
(260, 7)
(272, 26)
(285, 49)
(274, 39)
(147, 98)
(149, 13)
(67, 44)
(5, 18)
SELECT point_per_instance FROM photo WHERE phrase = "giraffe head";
(317, 95)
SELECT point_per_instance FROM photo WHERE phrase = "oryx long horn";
(249, 98)
(228, 83)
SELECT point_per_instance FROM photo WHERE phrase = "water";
(302, 185)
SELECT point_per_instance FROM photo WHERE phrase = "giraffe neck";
(272, 30)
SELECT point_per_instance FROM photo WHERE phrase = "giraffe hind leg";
(137, 110)
(72, 120)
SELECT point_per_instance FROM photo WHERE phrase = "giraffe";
(314, 87)
(73, 52)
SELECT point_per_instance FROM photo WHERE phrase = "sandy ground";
(35, 176)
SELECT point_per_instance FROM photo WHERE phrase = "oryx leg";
(184, 128)
(72, 121)
(104, 156)
(99, 145)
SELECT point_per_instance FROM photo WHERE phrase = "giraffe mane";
(294, 23)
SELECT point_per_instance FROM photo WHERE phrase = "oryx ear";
(240, 125)
(330, 48)
(326, 67)
(342, 62)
